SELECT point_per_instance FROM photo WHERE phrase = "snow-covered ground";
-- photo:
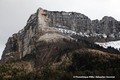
(114, 44)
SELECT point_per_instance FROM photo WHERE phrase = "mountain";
(59, 45)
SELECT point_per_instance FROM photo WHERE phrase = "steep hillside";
(82, 62)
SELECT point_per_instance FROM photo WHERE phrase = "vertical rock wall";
(42, 21)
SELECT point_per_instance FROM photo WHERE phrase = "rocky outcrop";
(69, 20)
(25, 41)
(54, 27)
(107, 26)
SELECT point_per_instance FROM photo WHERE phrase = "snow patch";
(114, 44)
(71, 32)
(104, 35)
(66, 31)
(112, 35)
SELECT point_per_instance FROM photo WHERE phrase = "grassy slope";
(82, 61)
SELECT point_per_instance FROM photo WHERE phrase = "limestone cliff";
(36, 30)
(53, 26)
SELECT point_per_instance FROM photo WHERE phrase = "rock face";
(107, 26)
(53, 27)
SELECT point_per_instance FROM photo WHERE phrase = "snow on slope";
(114, 44)
(85, 34)
(71, 32)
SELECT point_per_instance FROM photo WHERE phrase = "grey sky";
(14, 13)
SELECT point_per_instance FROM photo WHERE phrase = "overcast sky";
(14, 13)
